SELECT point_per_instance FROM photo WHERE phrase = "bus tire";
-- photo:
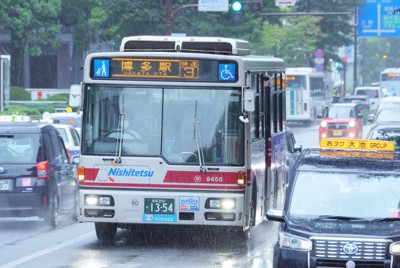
(106, 232)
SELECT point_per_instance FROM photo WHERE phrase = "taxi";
(342, 207)
(342, 120)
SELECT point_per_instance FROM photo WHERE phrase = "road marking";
(263, 250)
(47, 250)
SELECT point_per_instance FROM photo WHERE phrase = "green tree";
(338, 29)
(294, 41)
(31, 24)
(75, 16)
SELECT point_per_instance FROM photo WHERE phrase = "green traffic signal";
(237, 6)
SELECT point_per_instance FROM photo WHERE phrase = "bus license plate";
(337, 133)
(159, 206)
(5, 185)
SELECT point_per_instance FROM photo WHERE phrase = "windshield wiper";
(386, 219)
(198, 140)
(340, 218)
(118, 146)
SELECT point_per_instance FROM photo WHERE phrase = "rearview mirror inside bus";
(75, 95)
(248, 100)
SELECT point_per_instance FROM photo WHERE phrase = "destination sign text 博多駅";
(175, 69)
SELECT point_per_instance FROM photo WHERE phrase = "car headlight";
(394, 248)
(294, 242)
(352, 123)
(324, 123)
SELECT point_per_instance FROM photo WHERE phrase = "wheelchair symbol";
(226, 74)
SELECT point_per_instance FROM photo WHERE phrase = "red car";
(341, 120)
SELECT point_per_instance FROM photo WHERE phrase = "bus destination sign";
(129, 68)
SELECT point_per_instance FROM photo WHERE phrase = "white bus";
(181, 131)
(389, 81)
(305, 94)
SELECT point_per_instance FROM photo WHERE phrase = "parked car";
(292, 153)
(374, 94)
(71, 139)
(388, 132)
(341, 120)
(36, 178)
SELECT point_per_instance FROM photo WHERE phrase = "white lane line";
(47, 251)
(264, 250)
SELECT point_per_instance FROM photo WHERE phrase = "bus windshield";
(296, 82)
(182, 125)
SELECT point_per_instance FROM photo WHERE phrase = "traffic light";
(338, 66)
(240, 7)
(237, 11)
(344, 60)
(237, 6)
(384, 57)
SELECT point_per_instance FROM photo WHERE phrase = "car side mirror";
(75, 160)
(298, 147)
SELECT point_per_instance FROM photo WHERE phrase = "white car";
(70, 137)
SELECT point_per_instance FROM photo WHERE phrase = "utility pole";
(355, 47)
(170, 14)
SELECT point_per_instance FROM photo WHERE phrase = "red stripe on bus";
(163, 186)
(91, 174)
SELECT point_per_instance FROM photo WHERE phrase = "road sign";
(319, 53)
(319, 67)
(213, 5)
(285, 3)
(379, 18)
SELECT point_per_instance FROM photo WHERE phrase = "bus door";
(275, 122)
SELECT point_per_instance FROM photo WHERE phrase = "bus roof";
(193, 44)
(391, 70)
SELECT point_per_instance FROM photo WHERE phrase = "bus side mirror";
(75, 95)
(248, 100)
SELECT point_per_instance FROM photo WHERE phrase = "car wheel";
(53, 213)
(106, 232)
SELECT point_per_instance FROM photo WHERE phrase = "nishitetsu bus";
(181, 131)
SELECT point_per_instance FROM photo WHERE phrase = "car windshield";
(341, 112)
(19, 148)
(355, 194)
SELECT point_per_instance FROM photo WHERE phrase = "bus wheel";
(106, 232)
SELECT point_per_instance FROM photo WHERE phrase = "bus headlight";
(99, 200)
(294, 242)
(226, 203)
(394, 248)
(324, 123)
(91, 200)
(352, 123)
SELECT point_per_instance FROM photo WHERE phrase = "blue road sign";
(379, 18)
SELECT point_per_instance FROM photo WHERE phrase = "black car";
(36, 177)
(342, 210)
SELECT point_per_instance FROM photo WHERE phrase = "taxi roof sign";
(357, 144)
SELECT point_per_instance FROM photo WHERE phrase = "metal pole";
(168, 21)
(355, 49)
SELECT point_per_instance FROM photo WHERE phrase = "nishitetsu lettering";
(129, 172)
